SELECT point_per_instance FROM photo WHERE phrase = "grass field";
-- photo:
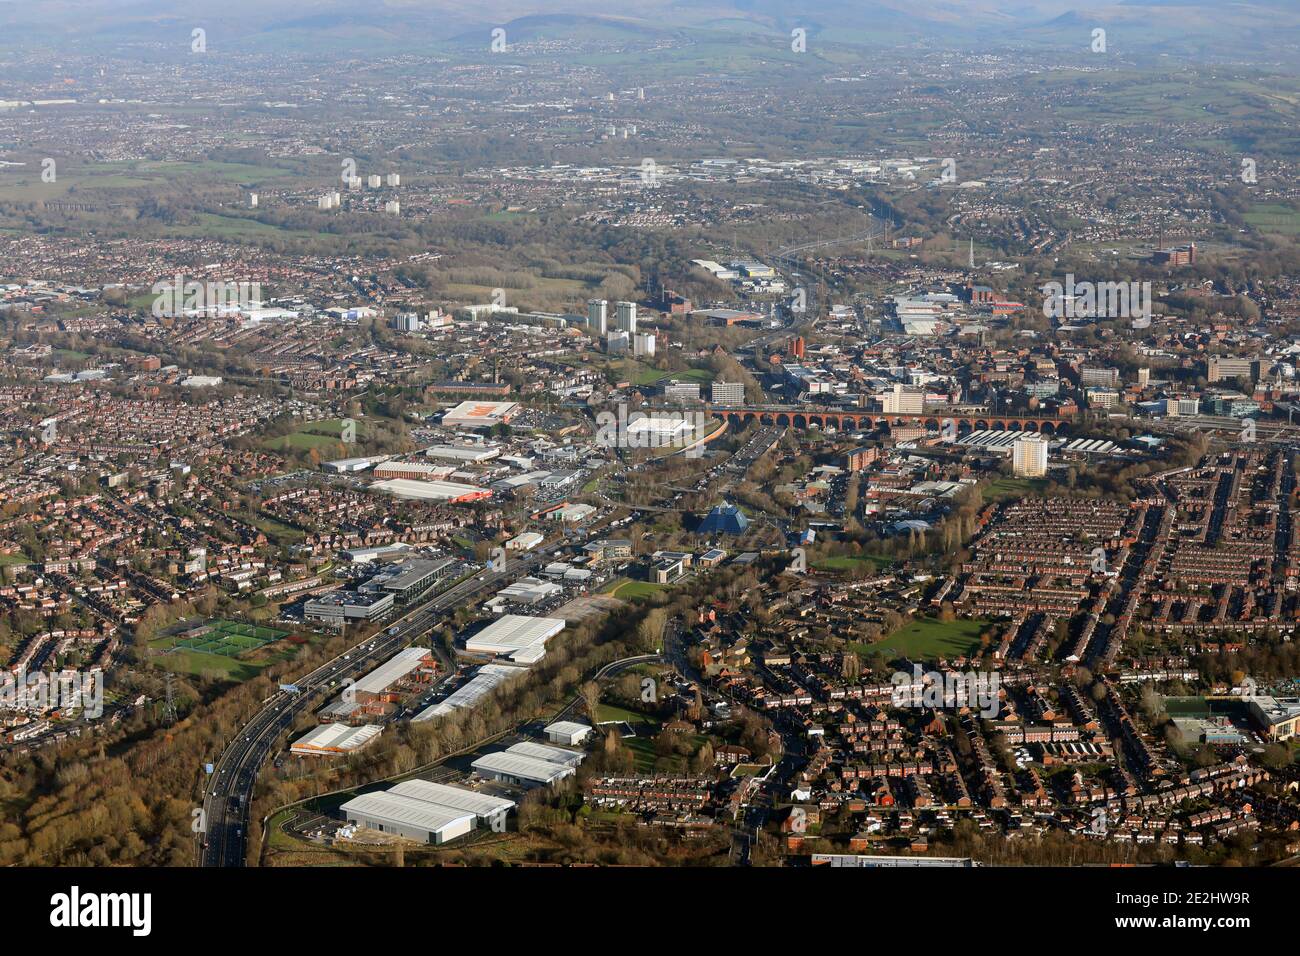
(1275, 218)
(221, 651)
(277, 532)
(95, 182)
(647, 760)
(646, 375)
(212, 225)
(202, 664)
(608, 712)
(1015, 487)
(929, 638)
(631, 590)
(847, 562)
(16, 558)
(324, 435)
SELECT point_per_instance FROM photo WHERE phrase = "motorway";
(225, 805)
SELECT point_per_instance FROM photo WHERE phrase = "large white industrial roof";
(525, 768)
(567, 727)
(408, 811)
(453, 798)
(475, 413)
(514, 632)
(393, 670)
(556, 755)
(431, 490)
(529, 590)
(486, 678)
(336, 738)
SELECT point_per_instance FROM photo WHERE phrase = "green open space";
(609, 712)
(326, 433)
(850, 562)
(631, 590)
(929, 638)
(647, 375)
(92, 183)
(1008, 487)
(1275, 218)
(223, 650)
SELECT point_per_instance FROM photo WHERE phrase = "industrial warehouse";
(379, 692)
(425, 811)
(334, 740)
(486, 679)
(528, 765)
(516, 637)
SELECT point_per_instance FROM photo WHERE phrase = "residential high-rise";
(597, 316)
(1029, 456)
(625, 317)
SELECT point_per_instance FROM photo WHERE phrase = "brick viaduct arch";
(806, 418)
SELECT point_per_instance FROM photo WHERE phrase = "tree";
(591, 699)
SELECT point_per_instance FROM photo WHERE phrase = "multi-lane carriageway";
(226, 804)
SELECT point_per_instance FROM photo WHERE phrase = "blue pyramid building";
(724, 519)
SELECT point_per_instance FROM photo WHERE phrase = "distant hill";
(1200, 27)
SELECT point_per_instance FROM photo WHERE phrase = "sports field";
(217, 646)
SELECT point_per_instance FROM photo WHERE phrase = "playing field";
(872, 562)
(326, 434)
(218, 647)
(929, 638)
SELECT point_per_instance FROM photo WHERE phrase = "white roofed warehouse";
(409, 669)
(516, 637)
(408, 817)
(335, 739)
(485, 680)
(557, 755)
(507, 766)
(488, 809)
(479, 414)
(568, 732)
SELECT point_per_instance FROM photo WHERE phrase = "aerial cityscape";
(773, 436)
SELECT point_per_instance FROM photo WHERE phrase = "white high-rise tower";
(625, 320)
(597, 316)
